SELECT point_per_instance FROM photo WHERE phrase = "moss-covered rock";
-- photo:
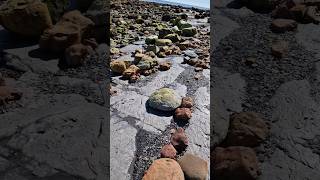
(114, 51)
(189, 32)
(164, 32)
(164, 99)
(163, 42)
(147, 62)
(183, 24)
(173, 37)
(151, 39)
(139, 20)
(153, 48)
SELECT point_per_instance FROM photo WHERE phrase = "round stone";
(165, 99)
(118, 66)
(164, 169)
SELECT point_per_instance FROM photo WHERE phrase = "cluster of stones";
(73, 36)
(236, 158)
(7, 94)
(144, 63)
(287, 14)
(165, 35)
(168, 167)
(181, 27)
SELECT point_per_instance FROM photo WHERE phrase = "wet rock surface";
(277, 80)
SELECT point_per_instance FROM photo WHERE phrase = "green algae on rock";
(151, 39)
(163, 42)
(189, 32)
(164, 99)
(183, 24)
(173, 37)
(147, 62)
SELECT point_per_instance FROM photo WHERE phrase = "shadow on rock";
(61, 176)
(11, 41)
(180, 123)
(157, 112)
(236, 4)
(43, 55)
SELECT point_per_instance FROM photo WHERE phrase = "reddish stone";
(165, 66)
(134, 78)
(179, 140)
(187, 102)
(77, 54)
(246, 129)
(283, 25)
(8, 94)
(168, 151)
(183, 114)
(279, 49)
(235, 163)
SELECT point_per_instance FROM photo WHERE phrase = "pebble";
(183, 114)
(179, 140)
(246, 129)
(194, 167)
(168, 151)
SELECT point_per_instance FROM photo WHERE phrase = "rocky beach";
(131, 90)
(159, 105)
(265, 91)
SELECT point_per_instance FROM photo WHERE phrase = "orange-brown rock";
(60, 37)
(165, 66)
(164, 169)
(187, 102)
(75, 17)
(134, 78)
(132, 70)
(183, 114)
(246, 129)
(25, 17)
(283, 25)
